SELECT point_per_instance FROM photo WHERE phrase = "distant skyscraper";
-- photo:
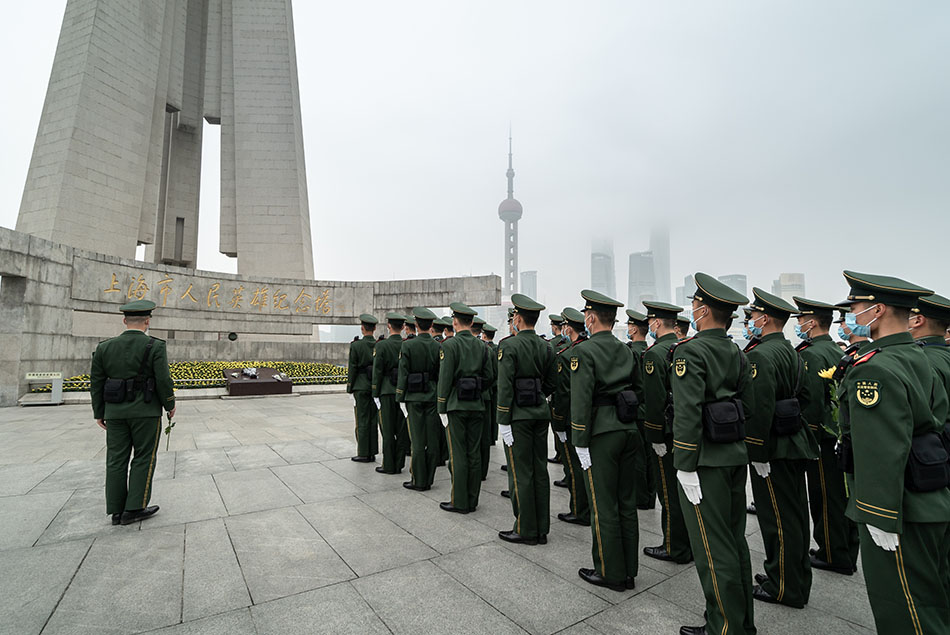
(510, 211)
(683, 293)
(660, 246)
(736, 281)
(641, 283)
(529, 284)
(788, 285)
(602, 275)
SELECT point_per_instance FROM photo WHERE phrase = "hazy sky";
(782, 136)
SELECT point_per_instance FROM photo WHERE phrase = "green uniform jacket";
(462, 356)
(638, 349)
(419, 354)
(385, 358)
(775, 372)
(706, 369)
(524, 355)
(656, 388)
(361, 356)
(891, 396)
(601, 365)
(121, 358)
(818, 354)
(561, 400)
(938, 354)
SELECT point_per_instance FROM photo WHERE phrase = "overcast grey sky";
(799, 136)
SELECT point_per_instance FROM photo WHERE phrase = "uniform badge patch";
(575, 363)
(441, 354)
(648, 366)
(755, 370)
(374, 352)
(868, 393)
(559, 366)
(679, 367)
(500, 353)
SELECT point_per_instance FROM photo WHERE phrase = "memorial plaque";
(266, 381)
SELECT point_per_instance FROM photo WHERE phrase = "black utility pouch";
(149, 390)
(723, 421)
(845, 455)
(527, 392)
(469, 388)
(927, 464)
(945, 437)
(416, 382)
(787, 419)
(627, 404)
(113, 391)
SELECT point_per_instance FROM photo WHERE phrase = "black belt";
(605, 400)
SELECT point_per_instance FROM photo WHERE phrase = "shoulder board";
(158, 339)
(356, 339)
(751, 345)
(676, 345)
(505, 338)
(924, 344)
(802, 346)
(866, 357)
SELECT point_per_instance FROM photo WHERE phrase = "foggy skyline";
(788, 137)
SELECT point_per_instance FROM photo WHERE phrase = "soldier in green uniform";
(682, 328)
(835, 534)
(929, 322)
(893, 411)
(418, 375)
(409, 329)
(359, 385)
(573, 327)
(605, 437)
(449, 324)
(779, 446)
(646, 464)
(488, 336)
(438, 328)
(558, 343)
(465, 371)
(525, 378)
(658, 425)
(710, 378)
(488, 396)
(385, 376)
(130, 386)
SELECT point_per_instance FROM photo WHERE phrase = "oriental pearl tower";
(510, 212)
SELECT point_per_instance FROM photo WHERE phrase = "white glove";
(562, 436)
(353, 398)
(506, 435)
(689, 481)
(584, 455)
(762, 469)
(659, 449)
(402, 407)
(445, 420)
(883, 539)
(376, 401)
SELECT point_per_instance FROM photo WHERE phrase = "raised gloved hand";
(445, 420)
(883, 539)
(762, 469)
(506, 435)
(689, 481)
(584, 455)
(405, 412)
(376, 401)
(562, 436)
(659, 449)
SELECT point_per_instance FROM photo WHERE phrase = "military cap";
(366, 318)
(635, 317)
(410, 320)
(812, 307)
(555, 318)
(462, 309)
(683, 321)
(934, 306)
(138, 308)
(842, 308)
(441, 322)
(734, 316)
(711, 292)
(770, 304)
(747, 312)
(524, 303)
(422, 313)
(866, 287)
(488, 328)
(511, 313)
(392, 316)
(661, 310)
(573, 317)
(478, 321)
(595, 301)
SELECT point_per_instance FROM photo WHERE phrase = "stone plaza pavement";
(267, 527)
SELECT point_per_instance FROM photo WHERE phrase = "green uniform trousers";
(528, 471)
(494, 417)
(646, 479)
(485, 445)
(611, 488)
(781, 507)
(390, 422)
(464, 434)
(574, 477)
(367, 435)
(717, 535)
(835, 534)
(403, 441)
(675, 536)
(129, 487)
(558, 447)
(425, 428)
(907, 588)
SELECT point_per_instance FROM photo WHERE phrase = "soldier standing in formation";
(658, 425)
(682, 328)
(385, 376)
(525, 378)
(835, 535)
(488, 336)
(359, 384)
(415, 391)
(409, 330)
(710, 379)
(130, 385)
(558, 343)
(637, 342)
(487, 440)
(605, 436)
(464, 372)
